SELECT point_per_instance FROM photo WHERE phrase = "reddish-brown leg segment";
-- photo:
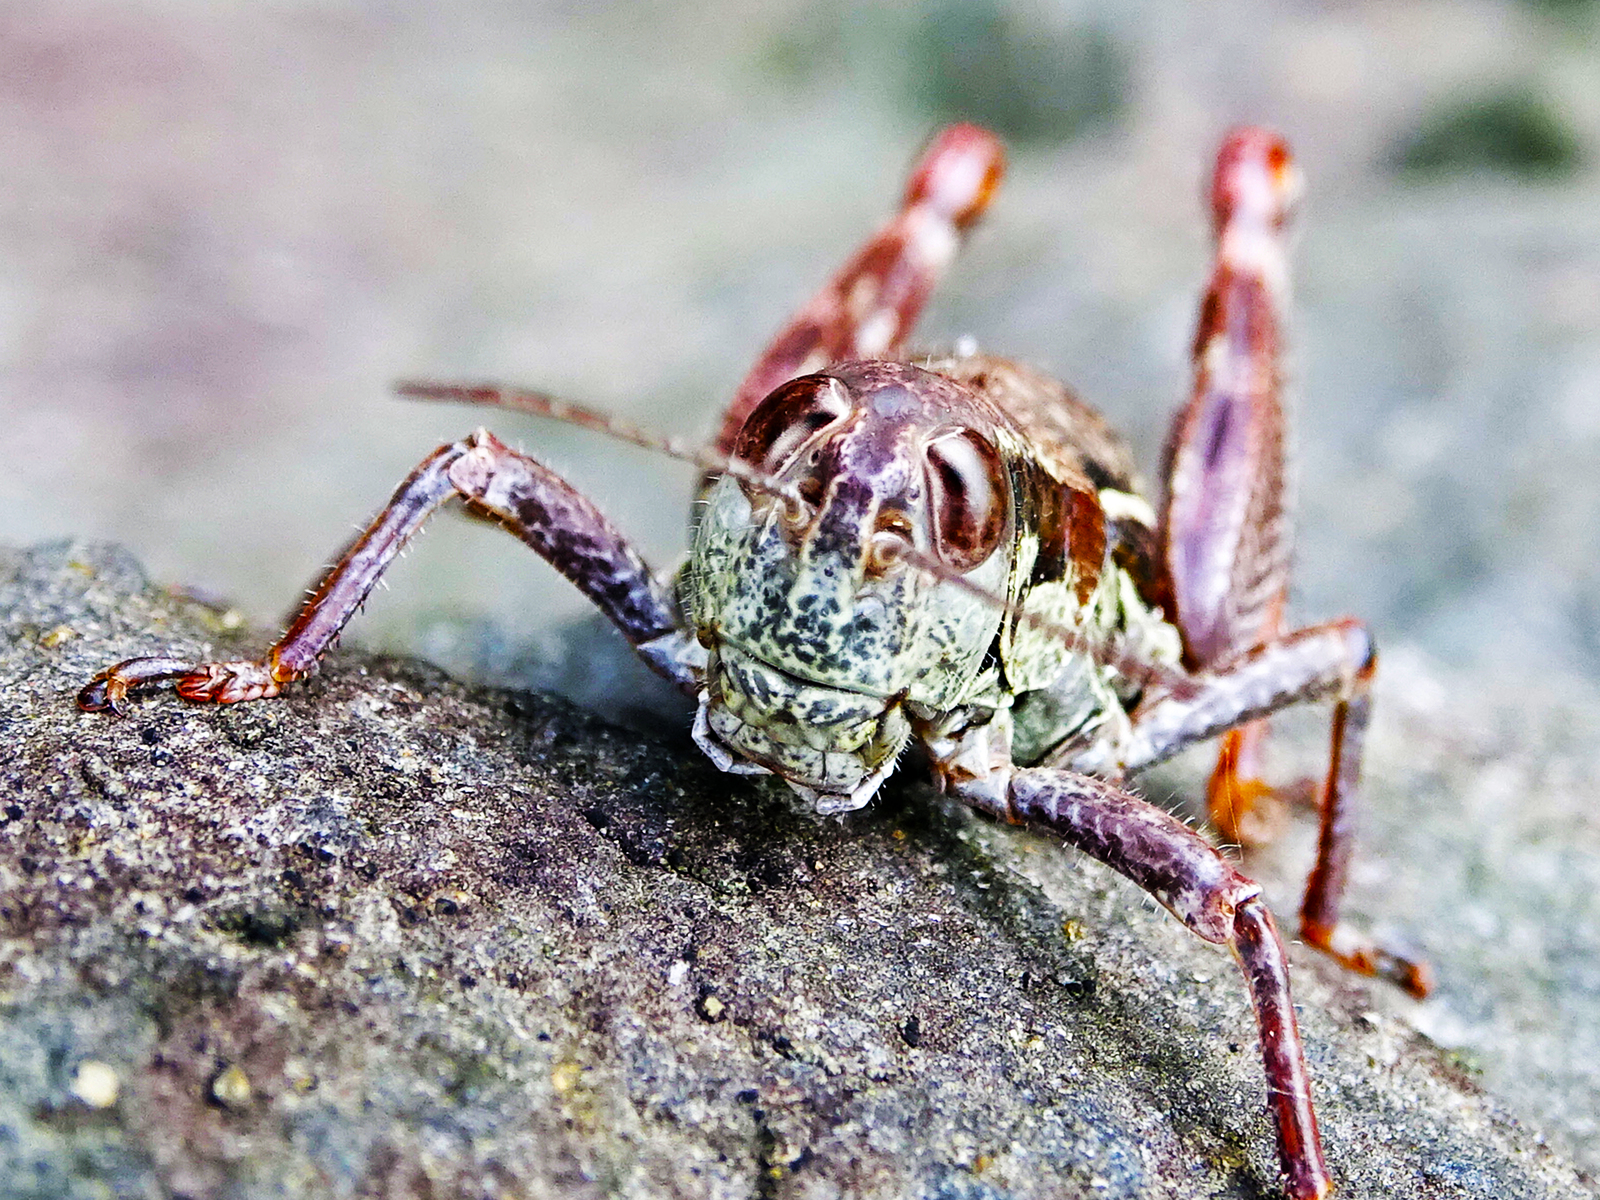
(1225, 531)
(1337, 661)
(1226, 541)
(1183, 872)
(869, 307)
(1238, 799)
(518, 492)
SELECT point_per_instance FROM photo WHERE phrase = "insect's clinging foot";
(1365, 957)
(108, 691)
(213, 682)
(230, 682)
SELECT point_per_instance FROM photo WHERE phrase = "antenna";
(542, 404)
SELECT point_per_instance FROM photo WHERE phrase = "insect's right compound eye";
(789, 421)
(969, 498)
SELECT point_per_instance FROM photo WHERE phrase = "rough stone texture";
(226, 227)
(395, 936)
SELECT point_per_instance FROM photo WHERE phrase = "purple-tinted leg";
(1336, 661)
(517, 492)
(1183, 872)
(869, 307)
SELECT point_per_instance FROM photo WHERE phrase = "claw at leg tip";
(1413, 978)
(101, 695)
(92, 697)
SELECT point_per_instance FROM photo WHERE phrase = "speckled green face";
(818, 633)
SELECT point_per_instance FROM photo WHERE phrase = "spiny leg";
(1184, 873)
(1336, 660)
(869, 307)
(517, 492)
(1225, 529)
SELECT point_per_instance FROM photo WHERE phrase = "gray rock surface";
(394, 936)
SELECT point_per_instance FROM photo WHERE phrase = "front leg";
(1183, 872)
(517, 492)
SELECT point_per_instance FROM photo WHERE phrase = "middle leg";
(1334, 661)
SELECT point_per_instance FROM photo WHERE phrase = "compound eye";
(969, 497)
(789, 420)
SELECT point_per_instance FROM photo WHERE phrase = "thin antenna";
(542, 404)
(519, 399)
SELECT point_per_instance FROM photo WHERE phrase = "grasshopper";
(952, 551)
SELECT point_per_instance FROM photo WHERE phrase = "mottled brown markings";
(1136, 549)
(1065, 435)
(565, 527)
(1086, 540)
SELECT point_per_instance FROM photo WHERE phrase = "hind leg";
(868, 308)
(1225, 531)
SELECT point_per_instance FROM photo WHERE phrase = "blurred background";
(225, 228)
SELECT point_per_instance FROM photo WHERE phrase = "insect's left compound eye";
(969, 497)
(789, 420)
